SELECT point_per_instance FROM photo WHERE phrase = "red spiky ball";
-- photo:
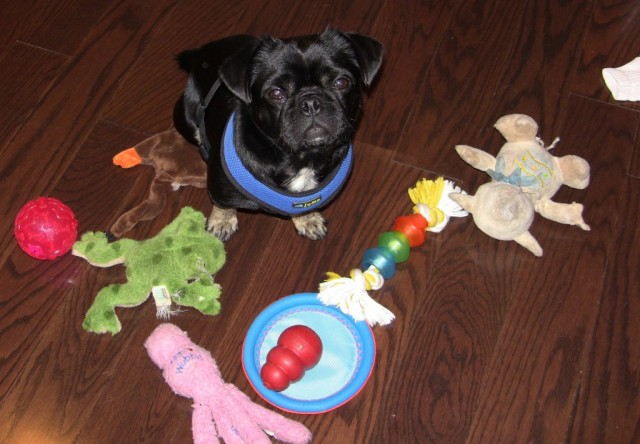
(45, 228)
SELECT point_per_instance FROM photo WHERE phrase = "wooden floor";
(490, 344)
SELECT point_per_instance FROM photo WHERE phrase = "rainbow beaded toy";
(431, 212)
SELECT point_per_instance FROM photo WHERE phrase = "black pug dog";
(274, 119)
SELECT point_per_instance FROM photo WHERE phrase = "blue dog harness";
(270, 198)
(277, 201)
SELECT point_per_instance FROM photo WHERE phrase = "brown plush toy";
(177, 163)
(525, 178)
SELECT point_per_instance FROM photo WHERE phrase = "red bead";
(413, 226)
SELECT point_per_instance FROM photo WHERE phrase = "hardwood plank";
(56, 26)
(282, 19)
(634, 167)
(72, 106)
(411, 33)
(608, 405)
(18, 98)
(472, 57)
(542, 355)
(145, 100)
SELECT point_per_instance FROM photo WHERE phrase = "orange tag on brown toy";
(127, 158)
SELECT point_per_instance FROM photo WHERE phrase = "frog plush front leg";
(95, 248)
(202, 294)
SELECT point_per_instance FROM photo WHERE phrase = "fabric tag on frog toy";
(162, 298)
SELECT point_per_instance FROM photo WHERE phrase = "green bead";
(397, 243)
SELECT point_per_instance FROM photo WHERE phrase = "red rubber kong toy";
(299, 349)
(45, 228)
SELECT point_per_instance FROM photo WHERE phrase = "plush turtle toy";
(525, 177)
(175, 265)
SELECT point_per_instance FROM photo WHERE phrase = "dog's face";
(304, 93)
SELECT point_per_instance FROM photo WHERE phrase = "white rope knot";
(432, 201)
(350, 295)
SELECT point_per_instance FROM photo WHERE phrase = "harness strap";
(205, 146)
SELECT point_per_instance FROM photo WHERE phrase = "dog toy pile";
(175, 265)
(220, 410)
(177, 163)
(525, 178)
(432, 212)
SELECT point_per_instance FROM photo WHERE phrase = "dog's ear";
(235, 71)
(369, 54)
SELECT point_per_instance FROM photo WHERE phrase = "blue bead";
(382, 259)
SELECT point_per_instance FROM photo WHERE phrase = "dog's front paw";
(222, 223)
(312, 226)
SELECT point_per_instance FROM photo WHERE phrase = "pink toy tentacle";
(220, 410)
(203, 427)
(281, 428)
(235, 425)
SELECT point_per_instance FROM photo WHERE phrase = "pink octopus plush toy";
(220, 410)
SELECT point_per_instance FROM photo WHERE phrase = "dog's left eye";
(276, 94)
(341, 83)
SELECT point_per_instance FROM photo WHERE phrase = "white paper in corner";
(624, 82)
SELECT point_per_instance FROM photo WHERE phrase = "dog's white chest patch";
(303, 181)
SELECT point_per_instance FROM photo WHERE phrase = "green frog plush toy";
(176, 265)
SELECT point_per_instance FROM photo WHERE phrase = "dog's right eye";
(276, 94)
(341, 83)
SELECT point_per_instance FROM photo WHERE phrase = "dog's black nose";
(310, 105)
